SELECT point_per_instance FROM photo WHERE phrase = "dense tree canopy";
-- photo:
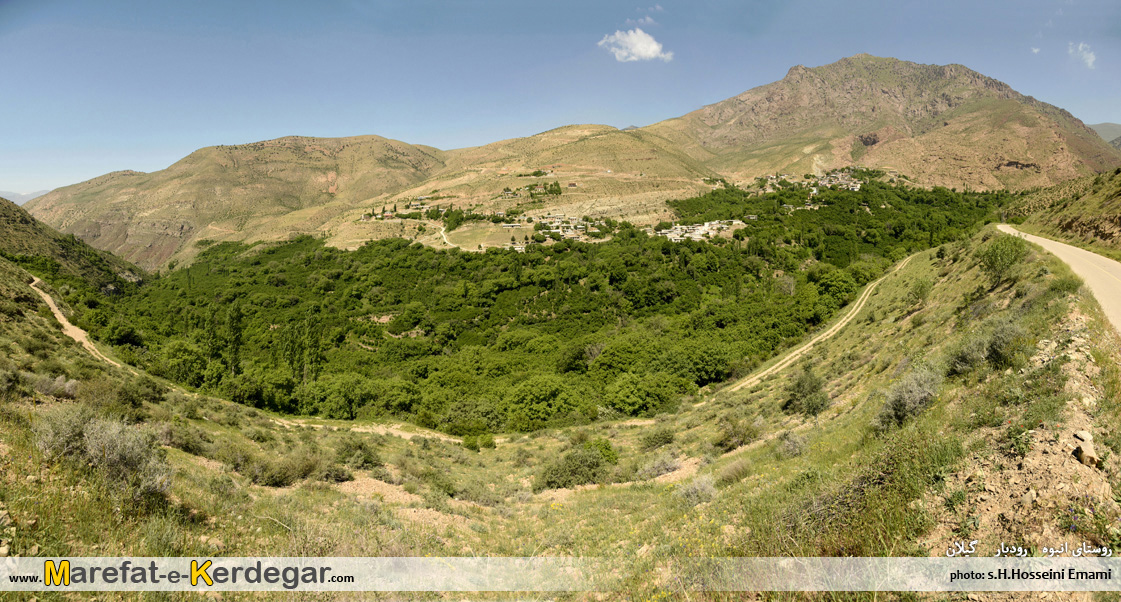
(481, 342)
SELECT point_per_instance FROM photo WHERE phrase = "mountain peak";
(939, 125)
(796, 71)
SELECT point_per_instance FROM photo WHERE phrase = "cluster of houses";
(699, 232)
(569, 228)
(556, 226)
(412, 207)
(841, 178)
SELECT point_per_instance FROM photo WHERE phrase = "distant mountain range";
(936, 125)
(1108, 131)
(20, 199)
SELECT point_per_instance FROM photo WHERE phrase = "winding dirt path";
(69, 329)
(444, 233)
(380, 429)
(799, 352)
(1101, 274)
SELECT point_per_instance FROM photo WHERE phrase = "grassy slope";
(24, 237)
(1084, 212)
(827, 500)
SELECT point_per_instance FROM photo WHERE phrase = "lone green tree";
(999, 257)
(806, 394)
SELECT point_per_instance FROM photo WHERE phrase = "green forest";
(565, 333)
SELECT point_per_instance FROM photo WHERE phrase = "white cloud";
(647, 20)
(1083, 53)
(1034, 50)
(634, 45)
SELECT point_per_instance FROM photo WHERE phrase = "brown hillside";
(938, 125)
(943, 125)
(230, 191)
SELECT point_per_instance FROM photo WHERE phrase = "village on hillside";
(557, 227)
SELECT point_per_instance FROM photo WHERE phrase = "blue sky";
(93, 87)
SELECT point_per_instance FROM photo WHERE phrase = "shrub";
(129, 457)
(259, 435)
(970, 354)
(603, 448)
(920, 291)
(136, 391)
(222, 485)
(357, 453)
(480, 494)
(697, 491)
(333, 473)
(577, 467)
(909, 396)
(657, 438)
(644, 395)
(806, 394)
(59, 431)
(538, 400)
(734, 433)
(106, 398)
(10, 384)
(471, 442)
(661, 464)
(734, 472)
(10, 309)
(272, 471)
(791, 445)
(59, 386)
(999, 257)
(181, 435)
(487, 441)
(1006, 344)
(284, 471)
(440, 481)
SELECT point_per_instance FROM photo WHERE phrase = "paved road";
(799, 352)
(1101, 274)
(69, 329)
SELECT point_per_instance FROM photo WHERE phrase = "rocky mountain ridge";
(936, 125)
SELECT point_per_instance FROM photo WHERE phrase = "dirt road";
(1102, 275)
(69, 329)
(444, 233)
(799, 352)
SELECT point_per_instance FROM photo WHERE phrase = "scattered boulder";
(1087, 455)
(1028, 498)
(5, 518)
(1084, 436)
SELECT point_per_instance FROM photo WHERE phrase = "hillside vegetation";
(57, 257)
(938, 125)
(564, 333)
(941, 401)
(1086, 212)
